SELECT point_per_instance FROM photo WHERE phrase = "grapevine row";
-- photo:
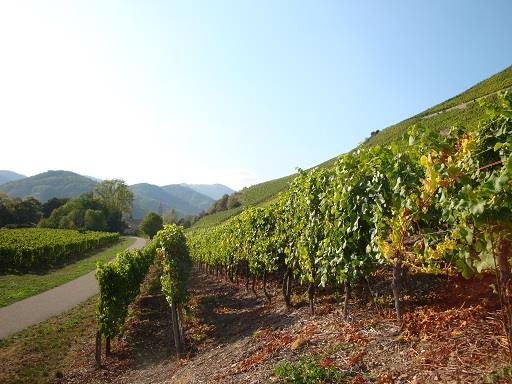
(441, 202)
(30, 248)
(176, 265)
(119, 282)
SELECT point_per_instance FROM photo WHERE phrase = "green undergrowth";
(499, 376)
(14, 287)
(310, 370)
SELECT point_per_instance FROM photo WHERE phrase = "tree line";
(103, 209)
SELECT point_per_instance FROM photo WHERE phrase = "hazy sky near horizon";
(234, 92)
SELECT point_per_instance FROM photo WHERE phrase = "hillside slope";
(149, 197)
(236, 336)
(7, 176)
(214, 191)
(49, 184)
(254, 195)
(460, 109)
(191, 196)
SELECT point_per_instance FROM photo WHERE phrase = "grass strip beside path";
(17, 287)
(37, 354)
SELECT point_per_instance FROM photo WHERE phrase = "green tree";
(170, 216)
(94, 220)
(151, 224)
(115, 195)
(233, 201)
(76, 215)
(6, 210)
(66, 222)
(186, 221)
(219, 205)
(28, 211)
(115, 221)
(52, 204)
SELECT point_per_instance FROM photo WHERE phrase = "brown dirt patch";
(452, 333)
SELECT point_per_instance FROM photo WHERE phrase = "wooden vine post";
(180, 323)
(503, 249)
(98, 349)
(287, 281)
(347, 297)
(311, 297)
(267, 294)
(396, 285)
(176, 327)
(107, 346)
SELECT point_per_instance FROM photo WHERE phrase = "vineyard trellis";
(440, 202)
(176, 265)
(119, 283)
(120, 280)
(31, 248)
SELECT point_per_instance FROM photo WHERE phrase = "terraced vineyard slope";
(460, 109)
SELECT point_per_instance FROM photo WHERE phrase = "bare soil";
(452, 333)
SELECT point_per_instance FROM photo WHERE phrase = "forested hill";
(214, 191)
(49, 184)
(182, 199)
(200, 201)
(7, 176)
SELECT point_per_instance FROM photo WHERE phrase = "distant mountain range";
(190, 195)
(6, 176)
(49, 184)
(215, 191)
(185, 199)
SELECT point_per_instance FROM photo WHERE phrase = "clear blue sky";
(227, 91)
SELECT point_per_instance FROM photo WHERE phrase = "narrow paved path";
(33, 310)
